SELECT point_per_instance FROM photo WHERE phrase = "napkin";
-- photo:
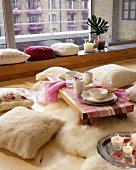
(48, 91)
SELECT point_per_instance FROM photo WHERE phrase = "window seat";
(28, 69)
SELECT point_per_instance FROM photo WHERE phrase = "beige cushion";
(131, 92)
(51, 71)
(11, 56)
(24, 131)
(114, 75)
(12, 97)
(65, 49)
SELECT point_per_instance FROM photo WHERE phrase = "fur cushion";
(51, 71)
(11, 56)
(114, 75)
(24, 131)
(12, 97)
(39, 52)
(131, 92)
(65, 49)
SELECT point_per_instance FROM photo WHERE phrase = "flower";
(100, 41)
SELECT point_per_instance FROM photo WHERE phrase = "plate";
(86, 96)
(105, 149)
(80, 98)
(63, 76)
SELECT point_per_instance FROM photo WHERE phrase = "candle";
(127, 150)
(88, 47)
(117, 142)
(133, 136)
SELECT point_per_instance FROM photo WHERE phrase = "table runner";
(121, 106)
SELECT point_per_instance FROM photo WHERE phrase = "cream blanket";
(74, 147)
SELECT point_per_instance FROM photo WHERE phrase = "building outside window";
(31, 24)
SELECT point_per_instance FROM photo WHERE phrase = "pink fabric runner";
(121, 106)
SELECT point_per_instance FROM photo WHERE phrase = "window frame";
(129, 10)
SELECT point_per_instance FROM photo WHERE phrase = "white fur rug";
(80, 140)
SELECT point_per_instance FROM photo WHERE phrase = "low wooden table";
(84, 119)
(83, 115)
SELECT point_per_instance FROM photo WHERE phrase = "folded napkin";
(48, 91)
(119, 92)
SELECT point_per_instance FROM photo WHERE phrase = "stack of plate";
(86, 98)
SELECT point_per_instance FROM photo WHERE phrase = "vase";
(100, 46)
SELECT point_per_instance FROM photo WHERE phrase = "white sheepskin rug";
(81, 140)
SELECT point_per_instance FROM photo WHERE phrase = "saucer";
(86, 96)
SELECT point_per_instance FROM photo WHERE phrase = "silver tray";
(116, 158)
(80, 98)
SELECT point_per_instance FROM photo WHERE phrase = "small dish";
(98, 93)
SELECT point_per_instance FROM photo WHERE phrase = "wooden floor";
(29, 81)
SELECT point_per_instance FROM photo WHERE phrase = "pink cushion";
(39, 52)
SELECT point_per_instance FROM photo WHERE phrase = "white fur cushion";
(114, 75)
(24, 131)
(10, 56)
(51, 71)
(132, 93)
(65, 49)
(12, 97)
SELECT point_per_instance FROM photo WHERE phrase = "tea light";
(88, 47)
(127, 150)
(133, 136)
(117, 142)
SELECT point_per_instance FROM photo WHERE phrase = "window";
(27, 21)
(71, 4)
(129, 10)
(53, 4)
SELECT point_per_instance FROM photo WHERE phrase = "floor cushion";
(114, 75)
(51, 71)
(39, 52)
(24, 131)
(12, 97)
(11, 56)
(65, 49)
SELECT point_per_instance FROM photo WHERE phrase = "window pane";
(45, 22)
(2, 30)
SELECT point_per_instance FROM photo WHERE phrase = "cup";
(117, 141)
(78, 86)
(87, 76)
(70, 78)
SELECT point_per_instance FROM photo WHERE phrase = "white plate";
(86, 96)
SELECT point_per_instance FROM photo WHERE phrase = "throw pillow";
(114, 75)
(12, 97)
(51, 71)
(39, 52)
(65, 49)
(131, 92)
(24, 131)
(11, 56)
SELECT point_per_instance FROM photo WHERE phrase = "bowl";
(98, 93)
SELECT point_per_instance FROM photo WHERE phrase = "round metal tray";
(116, 158)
